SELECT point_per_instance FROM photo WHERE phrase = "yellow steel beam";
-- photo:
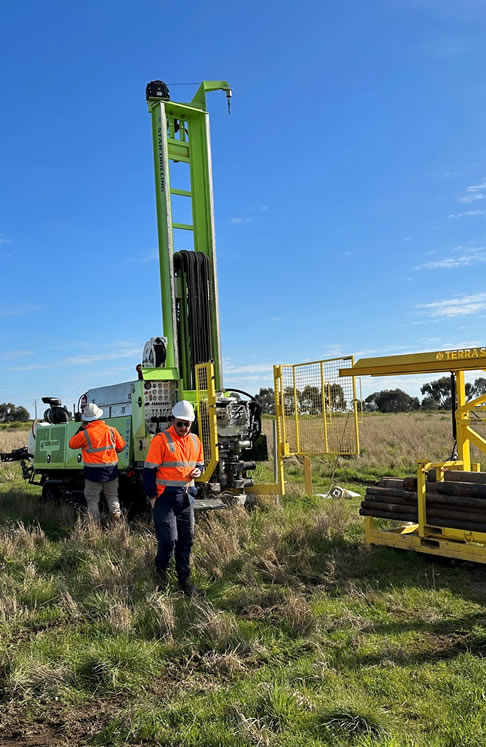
(463, 440)
(308, 476)
(408, 539)
(461, 359)
(280, 425)
(323, 405)
(206, 403)
(473, 404)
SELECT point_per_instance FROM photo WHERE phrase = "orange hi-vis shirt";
(100, 444)
(174, 457)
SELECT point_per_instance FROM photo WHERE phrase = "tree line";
(437, 396)
(10, 413)
(437, 393)
(307, 401)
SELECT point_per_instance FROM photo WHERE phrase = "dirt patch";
(56, 724)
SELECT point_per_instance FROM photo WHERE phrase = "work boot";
(116, 517)
(189, 590)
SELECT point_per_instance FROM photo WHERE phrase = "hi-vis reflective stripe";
(175, 483)
(100, 464)
(170, 441)
(175, 464)
(90, 449)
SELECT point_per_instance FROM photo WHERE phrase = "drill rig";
(184, 362)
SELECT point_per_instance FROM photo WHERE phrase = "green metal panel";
(124, 428)
(164, 225)
(138, 414)
(160, 374)
(53, 453)
(51, 450)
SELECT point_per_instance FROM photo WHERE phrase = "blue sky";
(350, 182)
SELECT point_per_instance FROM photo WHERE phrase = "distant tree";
(479, 387)
(440, 391)
(335, 397)
(21, 415)
(10, 413)
(310, 400)
(291, 400)
(429, 403)
(5, 409)
(391, 400)
(266, 398)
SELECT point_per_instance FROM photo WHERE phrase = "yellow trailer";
(424, 536)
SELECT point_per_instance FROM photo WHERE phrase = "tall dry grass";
(302, 637)
(395, 442)
(13, 439)
(406, 438)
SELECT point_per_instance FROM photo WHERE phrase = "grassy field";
(305, 638)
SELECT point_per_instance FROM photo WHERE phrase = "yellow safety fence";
(317, 410)
(206, 417)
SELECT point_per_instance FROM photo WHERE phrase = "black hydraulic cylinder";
(243, 466)
(453, 406)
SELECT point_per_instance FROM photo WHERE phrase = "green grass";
(304, 638)
(14, 426)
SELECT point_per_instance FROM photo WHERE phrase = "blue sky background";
(350, 182)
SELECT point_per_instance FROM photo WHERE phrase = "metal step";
(209, 504)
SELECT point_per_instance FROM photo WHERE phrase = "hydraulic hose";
(193, 312)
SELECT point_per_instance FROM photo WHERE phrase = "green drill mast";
(229, 427)
(183, 178)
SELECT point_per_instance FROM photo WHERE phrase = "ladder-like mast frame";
(180, 133)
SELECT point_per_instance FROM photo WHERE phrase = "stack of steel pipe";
(459, 502)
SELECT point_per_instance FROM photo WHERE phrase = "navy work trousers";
(174, 528)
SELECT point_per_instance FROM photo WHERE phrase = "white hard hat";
(184, 410)
(92, 412)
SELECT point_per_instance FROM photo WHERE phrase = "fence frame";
(207, 398)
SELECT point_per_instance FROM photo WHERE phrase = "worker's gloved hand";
(196, 472)
(152, 501)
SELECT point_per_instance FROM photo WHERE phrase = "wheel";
(51, 493)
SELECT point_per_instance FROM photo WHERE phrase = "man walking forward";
(174, 459)
(100, 444)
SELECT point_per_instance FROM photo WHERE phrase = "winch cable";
(193, 269)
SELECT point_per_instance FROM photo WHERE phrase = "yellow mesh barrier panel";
(206, 417)
(318, 408)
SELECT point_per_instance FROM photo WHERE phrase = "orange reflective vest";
(99, 443)
(174, 457)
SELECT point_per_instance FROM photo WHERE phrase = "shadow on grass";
(443, 647)
(429, 594)
(55, 519)
(390, 568)
(444, 639)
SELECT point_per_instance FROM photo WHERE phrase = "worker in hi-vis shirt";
(100, 443)
(174, 459)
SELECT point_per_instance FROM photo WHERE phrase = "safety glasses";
(182, 424)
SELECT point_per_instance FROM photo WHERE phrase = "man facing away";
(174, 459)
(100, 443)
